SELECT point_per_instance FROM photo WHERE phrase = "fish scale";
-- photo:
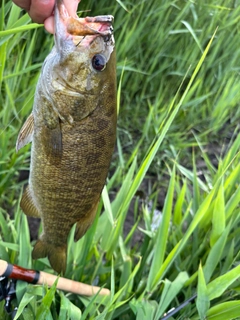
(72, 129)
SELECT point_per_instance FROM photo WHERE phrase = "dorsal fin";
(27, 204)
(26, 133)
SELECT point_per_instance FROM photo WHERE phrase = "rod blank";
(36, 277)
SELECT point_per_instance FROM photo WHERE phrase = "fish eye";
(99, 62)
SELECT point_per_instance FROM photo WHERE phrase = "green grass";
(177, 152)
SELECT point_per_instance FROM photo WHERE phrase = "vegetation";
(175, 172)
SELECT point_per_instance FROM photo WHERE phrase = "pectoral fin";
(52, 142)
(27, 205)
(83, 224)
(26, 133)
(51, 134)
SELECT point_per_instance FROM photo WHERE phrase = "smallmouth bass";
(72, 129)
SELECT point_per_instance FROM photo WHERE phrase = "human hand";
(41, 11)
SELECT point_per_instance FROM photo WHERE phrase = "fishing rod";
(173, 311)
(14, 272)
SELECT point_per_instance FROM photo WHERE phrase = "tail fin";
(57, 255)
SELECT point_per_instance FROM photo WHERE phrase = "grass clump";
(175, 171)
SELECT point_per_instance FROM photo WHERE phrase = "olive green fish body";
(72, 129)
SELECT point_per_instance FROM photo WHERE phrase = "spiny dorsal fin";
(26, 133)
(27, 205)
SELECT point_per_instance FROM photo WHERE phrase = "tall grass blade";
(161, 237)
(203, 302)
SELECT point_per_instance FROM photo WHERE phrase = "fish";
(72, 128)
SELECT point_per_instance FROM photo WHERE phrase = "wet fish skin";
(72, 129)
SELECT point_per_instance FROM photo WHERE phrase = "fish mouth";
(77, 29)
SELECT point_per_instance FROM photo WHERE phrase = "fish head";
(85, 50)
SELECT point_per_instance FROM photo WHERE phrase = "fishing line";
(80, 41)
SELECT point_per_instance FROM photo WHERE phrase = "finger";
(24, 4)
(71, 6)
(49, 24)
(41, 10)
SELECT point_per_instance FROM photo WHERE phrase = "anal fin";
(26, 133)
(27, 205)
(83, 224)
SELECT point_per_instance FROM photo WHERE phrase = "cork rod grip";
(71, 285)
(36, 277)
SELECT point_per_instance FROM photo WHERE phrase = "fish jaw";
(73, 30)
